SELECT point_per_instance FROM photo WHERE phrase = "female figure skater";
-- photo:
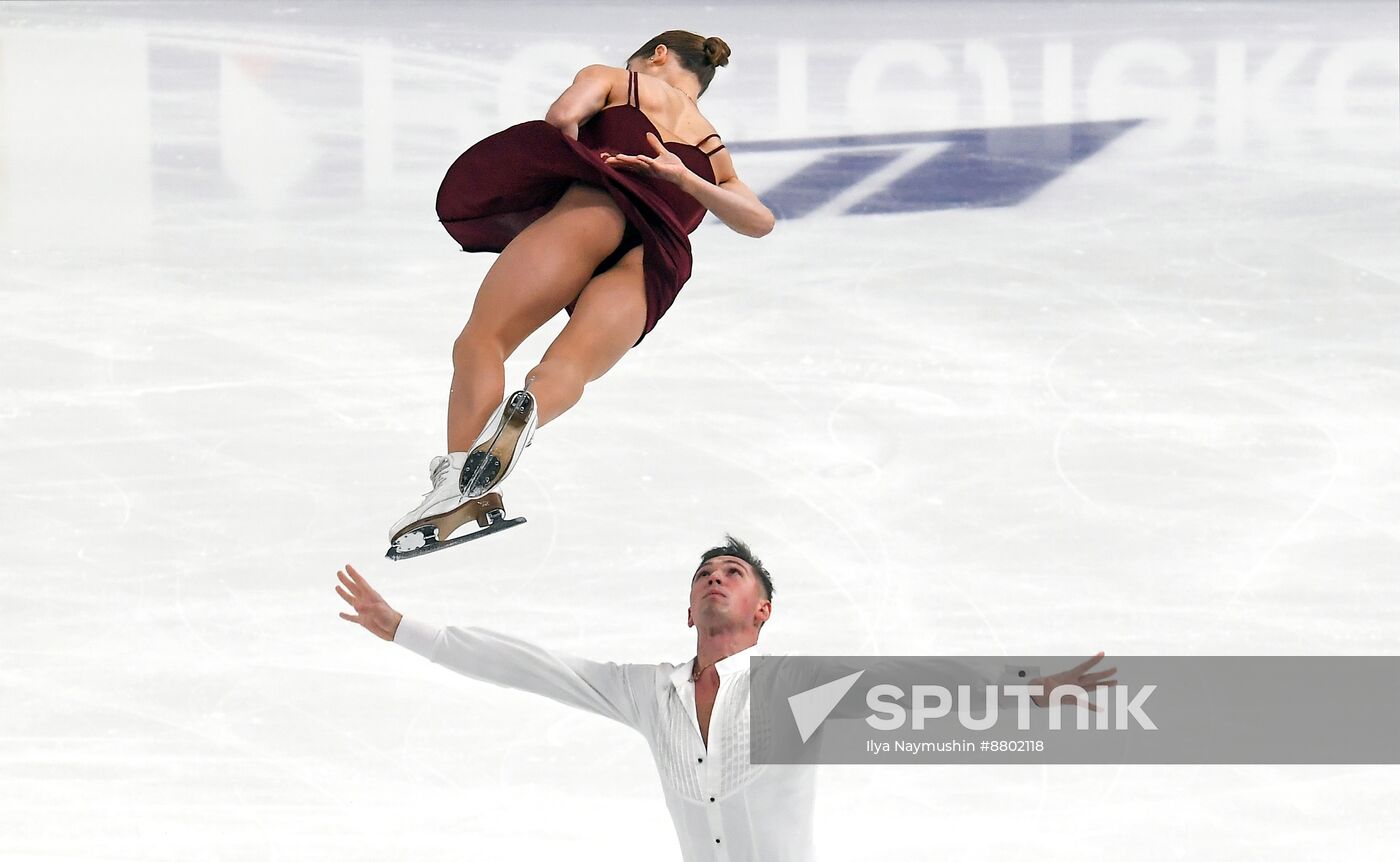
(590, 210)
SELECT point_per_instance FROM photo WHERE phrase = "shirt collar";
(739, 661)
(735, 663)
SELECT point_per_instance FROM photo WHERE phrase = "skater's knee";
(559, 372)
(475, 346)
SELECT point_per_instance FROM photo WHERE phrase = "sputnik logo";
(811, 707)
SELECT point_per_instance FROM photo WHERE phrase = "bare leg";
(536, 275)
(605, 324)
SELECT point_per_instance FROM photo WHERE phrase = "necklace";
(695, 677)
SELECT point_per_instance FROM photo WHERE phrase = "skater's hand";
(1078, 675)
(371, 611)
(664, 165)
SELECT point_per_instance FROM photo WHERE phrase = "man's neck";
(715, 646)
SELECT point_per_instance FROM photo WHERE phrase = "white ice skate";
(497, 450)
(463, 483)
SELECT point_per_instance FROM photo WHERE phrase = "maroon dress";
(506, 181)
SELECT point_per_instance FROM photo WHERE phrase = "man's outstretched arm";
(599, 687)
(953, 674)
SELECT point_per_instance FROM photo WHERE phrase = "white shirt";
(725, 809)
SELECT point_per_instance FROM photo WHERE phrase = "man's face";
(725, 590)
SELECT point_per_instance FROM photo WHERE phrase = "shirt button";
(712, 799)
(699, 760)
(716, 840)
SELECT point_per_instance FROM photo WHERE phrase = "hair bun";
(716, 51)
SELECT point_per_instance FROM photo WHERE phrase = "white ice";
(1153, 409)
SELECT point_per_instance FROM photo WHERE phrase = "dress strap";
(706, 138)
(632, 89)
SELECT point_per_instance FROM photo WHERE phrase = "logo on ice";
(893, 708)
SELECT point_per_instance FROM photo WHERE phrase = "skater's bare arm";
(728, 198)
(733, 203)
(371, 611)
(585, 97)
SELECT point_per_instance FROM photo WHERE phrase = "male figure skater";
(694, 715)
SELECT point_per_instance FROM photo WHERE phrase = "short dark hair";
(732, 547)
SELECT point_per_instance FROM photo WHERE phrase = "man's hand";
(1077, 675)
(371, 611)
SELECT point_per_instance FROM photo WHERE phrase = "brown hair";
(698, 55)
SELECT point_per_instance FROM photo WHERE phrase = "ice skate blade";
(488, 512)
(431, 545)
(446, 523)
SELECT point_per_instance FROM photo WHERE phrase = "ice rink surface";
(994, 392)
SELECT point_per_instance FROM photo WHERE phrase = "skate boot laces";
(437, 472)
